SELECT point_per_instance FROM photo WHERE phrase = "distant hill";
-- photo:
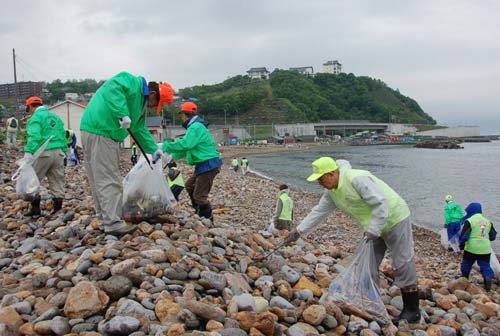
(289, 97)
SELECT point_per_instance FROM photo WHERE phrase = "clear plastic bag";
(27, 183)
(354, 289)
(453, 243)
(145, 192)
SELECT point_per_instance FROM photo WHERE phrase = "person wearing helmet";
(118, 107)
(42, 125)
(200, 151)
(453, 214)
(382, 214)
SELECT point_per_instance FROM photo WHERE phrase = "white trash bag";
(354, 288)
(453, 243)
(27, 183)
(146, 193)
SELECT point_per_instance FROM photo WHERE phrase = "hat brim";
(315, 177)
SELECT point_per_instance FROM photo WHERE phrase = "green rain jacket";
(452, 213)
(43, 124)
(197, 145)
(120, 96)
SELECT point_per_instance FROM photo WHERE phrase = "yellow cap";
(322, 166)
(448, 198)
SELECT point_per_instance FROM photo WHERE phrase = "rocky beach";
(182, 275)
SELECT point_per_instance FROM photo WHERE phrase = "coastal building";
(294, 130)
(25, 89)
(258, 73)
(308, 70)
(453, 132)
(333, 67)
(155, 127)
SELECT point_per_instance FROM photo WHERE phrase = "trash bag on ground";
(27, 183)
(146, 194)
(355, 290)
(495, 265)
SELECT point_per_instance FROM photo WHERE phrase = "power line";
(34, 69)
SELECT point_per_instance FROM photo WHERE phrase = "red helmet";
(34, 100)
(166, 95)
(189, 107)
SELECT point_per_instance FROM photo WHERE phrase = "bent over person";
(42, 125)
(381, 213)
(117, 109)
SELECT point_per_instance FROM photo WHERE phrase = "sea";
(423, 177)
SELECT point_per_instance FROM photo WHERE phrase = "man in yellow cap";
(382, 214)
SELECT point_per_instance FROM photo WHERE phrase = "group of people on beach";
(118, 109)
(471, 232)
(243, 163)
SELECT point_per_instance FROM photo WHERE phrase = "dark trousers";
(453, 229)
(176, 190)
(199, 186)
(483, 260)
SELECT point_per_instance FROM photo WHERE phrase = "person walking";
(453, 214)
(12, 126)
(175, 179)
(133, 157)
(475, 239)
(116, 110)
(283, 215)
(200, 151)
(381, 213)
(42, 125)
(234, 164)
(244, 165)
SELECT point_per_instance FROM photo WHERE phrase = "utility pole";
(16, 111)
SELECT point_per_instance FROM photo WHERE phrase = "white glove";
(125, 122)
(157, 155)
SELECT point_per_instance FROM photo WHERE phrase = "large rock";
(122, 325)
(10, 317)
(264, 322)
(302, 329)
(305, 283)
(117, 287)
(85, 300)
(167, 310)
(314, 314)
(206, 311)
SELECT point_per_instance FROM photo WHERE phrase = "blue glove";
(157, 155)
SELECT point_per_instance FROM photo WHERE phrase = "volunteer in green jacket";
(12, 126)
(382, 214)
(475, 239)
(119, 105)
(175, 180)
(453, 214)
(41, 126)
(283, 215)
(199, 149)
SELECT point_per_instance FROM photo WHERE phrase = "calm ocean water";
(421, 176)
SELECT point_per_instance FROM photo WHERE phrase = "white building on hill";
(333, 67)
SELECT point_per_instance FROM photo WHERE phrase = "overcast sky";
(444, 54)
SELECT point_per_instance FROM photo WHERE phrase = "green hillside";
(291, 97)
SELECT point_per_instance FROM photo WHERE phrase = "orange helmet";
(34, 100)
(189, 107)
(166, 95)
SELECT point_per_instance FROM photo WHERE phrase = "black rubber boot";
(205, 210)
(57, 205)
(487, 283)
(411, 310)
(35, 208)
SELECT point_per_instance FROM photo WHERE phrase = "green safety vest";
(69, 138)
(287, 208)
(350, 202)
(234, 163)
(244, 163)
(179, 180)
(479, 241)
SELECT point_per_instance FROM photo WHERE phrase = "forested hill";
(291, 97)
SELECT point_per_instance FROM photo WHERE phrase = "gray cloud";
(444, 53)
